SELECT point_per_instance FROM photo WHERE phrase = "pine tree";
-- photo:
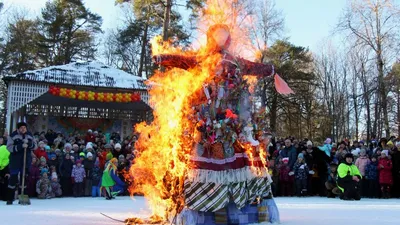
(67, 32)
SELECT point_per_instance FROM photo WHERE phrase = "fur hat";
(54, 175)
(285, 159)
(118, 145)
(309, 143)
(21, 124)
(89, 154)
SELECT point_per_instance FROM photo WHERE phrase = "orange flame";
(165, 144)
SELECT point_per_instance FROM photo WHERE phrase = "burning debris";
(205, 151)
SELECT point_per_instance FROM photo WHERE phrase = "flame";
(165, 145)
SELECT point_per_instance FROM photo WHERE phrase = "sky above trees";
(308, 23)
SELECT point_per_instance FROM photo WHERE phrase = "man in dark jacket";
(17, 142)
(396, 171)
(317, 162)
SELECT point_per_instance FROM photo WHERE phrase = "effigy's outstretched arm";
(265, 70)
(178, 61)
(258, 69)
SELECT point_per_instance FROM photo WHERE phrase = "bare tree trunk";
(274, 109)
(167, 13)
(143, 50)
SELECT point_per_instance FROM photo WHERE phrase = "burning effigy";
(203, 159)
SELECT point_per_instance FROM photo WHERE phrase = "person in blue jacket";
(111, 185)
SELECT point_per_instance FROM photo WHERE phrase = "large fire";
(165, 146)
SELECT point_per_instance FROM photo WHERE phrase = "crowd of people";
(94, 164)
(348, 170)
(78, 165)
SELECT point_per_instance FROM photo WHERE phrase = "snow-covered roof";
(90, 73)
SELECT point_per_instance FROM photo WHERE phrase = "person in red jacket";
(90, 137)
(41, 151)
(385, 174)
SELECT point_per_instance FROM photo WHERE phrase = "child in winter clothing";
(53, 162)
(110, 182)
(361, 163)
(330, 184)
(78, 176)
(41, 151)
(371, 175)
(43, 187)
(43, 164)
(33, 177)
(385, 175)
(301, 173)
(55, 186)
(285, 179)
(96, 176)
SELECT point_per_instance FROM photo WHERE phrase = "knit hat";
(57, 151)
(47, 148)
(68, 145)
(89, 131)
(309, 143)
(328, 141)
(41, 143)
(75, 146)
(82, 154)
(390, 143)
(89, 145)
(285, 159)
(121, 157)
(78, 161)
(89, 154)
(363, 151)
(43, 170)
(386, 152)
(109, 156)
(117, 146)
(108, 146)
(21, 124)
(300, 156)
(42, 159)
(54, 175)
(52, 155)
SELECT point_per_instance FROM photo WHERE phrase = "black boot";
(10, 196)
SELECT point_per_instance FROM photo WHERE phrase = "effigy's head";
(218, 37)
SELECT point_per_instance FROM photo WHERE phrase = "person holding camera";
(17, 142)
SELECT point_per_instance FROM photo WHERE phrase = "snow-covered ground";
(298, 211)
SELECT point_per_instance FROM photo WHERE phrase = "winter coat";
(96, 175)
(55, 189)
(385, 171)
(66, 168)
(371, 171)
(396, 164)
(78, 173)
(88, 165)
(4, 157)
(39, 153)
(284, 173)
(34, 176)
(55, 164)
(43, 188)
(16, 140)
(300, 171)
(361, 163)
(317, 161)
(346, 173)
(292, 153)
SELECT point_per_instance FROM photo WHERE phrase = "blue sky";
(308, 22)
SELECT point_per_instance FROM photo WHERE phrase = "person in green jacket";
(111, 185)
(349, 178)
(4, 170)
